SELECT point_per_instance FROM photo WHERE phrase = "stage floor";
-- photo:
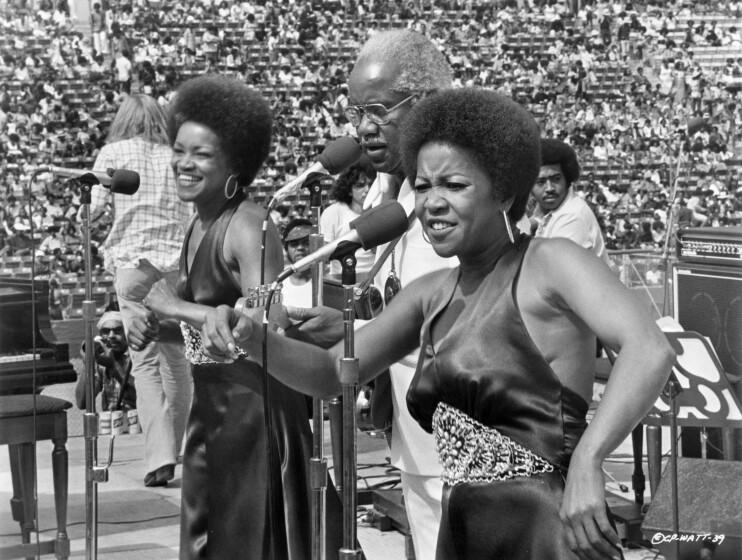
(142, 523)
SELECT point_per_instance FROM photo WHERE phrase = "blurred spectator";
(99, 30)
(53, 242)
(349, 193)
(123, 68)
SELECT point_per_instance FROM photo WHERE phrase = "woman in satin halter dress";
(507, 345)
(221, 132)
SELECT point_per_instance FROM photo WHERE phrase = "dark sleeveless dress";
(224, 511)
(487, 366)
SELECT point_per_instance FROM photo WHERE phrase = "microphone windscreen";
(124, 181)
(340, 154)
(380, 224)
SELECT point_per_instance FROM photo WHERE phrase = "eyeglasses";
(377, 113)
(105, 331)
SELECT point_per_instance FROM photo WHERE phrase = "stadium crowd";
(648, 92)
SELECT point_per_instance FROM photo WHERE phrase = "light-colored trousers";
(422, 500)
(161, 373)
(100, 42)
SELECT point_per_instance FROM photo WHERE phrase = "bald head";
(416, 63)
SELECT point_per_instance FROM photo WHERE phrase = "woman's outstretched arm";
(316, 371)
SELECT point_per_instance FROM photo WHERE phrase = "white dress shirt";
(573, 220)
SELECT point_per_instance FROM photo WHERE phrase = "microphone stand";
(317, 463)
(349, 379)
(671, 221)
(672, 390)
(94, 474)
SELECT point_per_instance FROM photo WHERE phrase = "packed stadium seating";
(620, 81)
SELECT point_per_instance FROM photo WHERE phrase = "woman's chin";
(444, 250)
(186, 195)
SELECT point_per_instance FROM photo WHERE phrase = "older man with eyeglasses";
(393, 70)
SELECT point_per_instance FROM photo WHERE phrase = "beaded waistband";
(194, 346)
(469, 451)
(256, 297)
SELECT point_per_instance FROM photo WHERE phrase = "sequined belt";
(469, 451)
(256, 297)
(194, 346)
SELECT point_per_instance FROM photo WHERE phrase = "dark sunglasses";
(106, 331)
(369, 302)
(392, 286)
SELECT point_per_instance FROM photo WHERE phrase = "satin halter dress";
(224, 511)
(487, 366)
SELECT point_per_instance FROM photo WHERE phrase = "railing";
(646, 272)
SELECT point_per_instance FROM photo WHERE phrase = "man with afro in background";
(559, 212)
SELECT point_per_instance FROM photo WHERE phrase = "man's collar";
(406, 197)
(384, 187)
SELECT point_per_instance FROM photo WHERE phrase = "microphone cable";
(273, 464)
(270, 444)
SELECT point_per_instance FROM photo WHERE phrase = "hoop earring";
(425, 237)
(226, 187)
(508, 227)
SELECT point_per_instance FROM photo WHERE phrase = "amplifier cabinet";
(708, 299)
(711, 245)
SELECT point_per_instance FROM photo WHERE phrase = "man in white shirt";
(123, 67)
(297, 288)
(559, 211)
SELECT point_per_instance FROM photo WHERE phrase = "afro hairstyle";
(496, 131)
(239, 116)
(554, 152)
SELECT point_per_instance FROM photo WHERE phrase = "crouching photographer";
(114, 381)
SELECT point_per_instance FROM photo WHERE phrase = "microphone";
(337, 156)
(378, 225)
(120, 181)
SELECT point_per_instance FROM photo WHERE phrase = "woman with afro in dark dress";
(220, 131)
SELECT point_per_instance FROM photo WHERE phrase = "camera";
(101, 343)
